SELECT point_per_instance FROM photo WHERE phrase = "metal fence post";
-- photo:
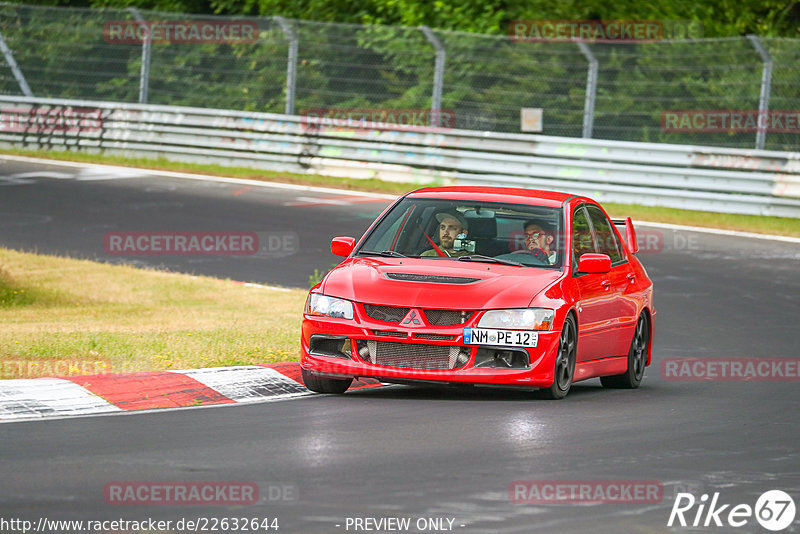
(591, 91)
(291, 64)
(144, 76)
(23, 84)
(438, 75)
(766, 84)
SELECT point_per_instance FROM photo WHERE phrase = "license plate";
(491, 336)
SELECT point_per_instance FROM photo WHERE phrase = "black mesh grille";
(388, 333)
(441, 337)
(389, 314)
(447, 317)
(411, 355)
(436, 279)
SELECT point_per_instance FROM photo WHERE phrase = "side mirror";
(630, 236)
(594, 263)
(343, 246)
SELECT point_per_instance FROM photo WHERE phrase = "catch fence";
(600, 90)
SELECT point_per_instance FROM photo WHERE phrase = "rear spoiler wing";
(629, 235)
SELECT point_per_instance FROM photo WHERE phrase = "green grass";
(748, 223)
(92, 317)
(759, 224)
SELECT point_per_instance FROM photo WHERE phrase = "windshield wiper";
(384, 253)
(489, 259)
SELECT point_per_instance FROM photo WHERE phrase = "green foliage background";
(370, 54)
(721, 18)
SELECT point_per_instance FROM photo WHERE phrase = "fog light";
(489, 358)
(331, 346)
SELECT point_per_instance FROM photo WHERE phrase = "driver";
(538, 238)
(451, 223)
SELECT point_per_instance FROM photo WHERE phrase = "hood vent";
(432, 278)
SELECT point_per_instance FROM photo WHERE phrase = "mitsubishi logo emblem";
(411, 318)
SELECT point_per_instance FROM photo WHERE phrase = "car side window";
(607, 242)
(582, 241)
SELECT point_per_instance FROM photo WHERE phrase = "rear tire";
(325, 385)
(637, 359)
(565, 362)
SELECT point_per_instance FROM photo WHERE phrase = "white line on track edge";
(718, 231)
(276, 398)
(202, 177)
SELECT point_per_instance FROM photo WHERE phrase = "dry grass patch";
(57, 309)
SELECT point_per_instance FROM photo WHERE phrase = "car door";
(620, 279)
(597, 305)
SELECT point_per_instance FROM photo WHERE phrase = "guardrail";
(703, 178)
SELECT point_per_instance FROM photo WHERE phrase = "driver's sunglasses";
(533, 235)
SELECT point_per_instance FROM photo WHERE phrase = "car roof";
(497, 194)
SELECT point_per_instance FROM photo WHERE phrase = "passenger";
(451, 224)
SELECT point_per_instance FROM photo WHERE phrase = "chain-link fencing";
(289, 66)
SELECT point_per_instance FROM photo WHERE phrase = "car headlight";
(522, 319)
(322, 305)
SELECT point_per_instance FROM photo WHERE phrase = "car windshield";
(520, 235)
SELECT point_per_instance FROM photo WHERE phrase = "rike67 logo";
(774, 510)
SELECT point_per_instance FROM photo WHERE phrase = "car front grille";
(447, 317)
(393, 314)
(389, 314)
(439, 337)
(411, 355)
(389, 333)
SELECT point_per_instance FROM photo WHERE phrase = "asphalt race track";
(70, 210)
(450, 456)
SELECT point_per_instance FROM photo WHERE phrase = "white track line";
(717, 231)
(55, 398)
(202, 177)
(36, 398)
(247, 383)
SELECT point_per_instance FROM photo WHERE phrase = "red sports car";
(483, 285)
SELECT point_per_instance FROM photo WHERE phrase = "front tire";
(637, 359)
(319, 384)
(565, 362)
